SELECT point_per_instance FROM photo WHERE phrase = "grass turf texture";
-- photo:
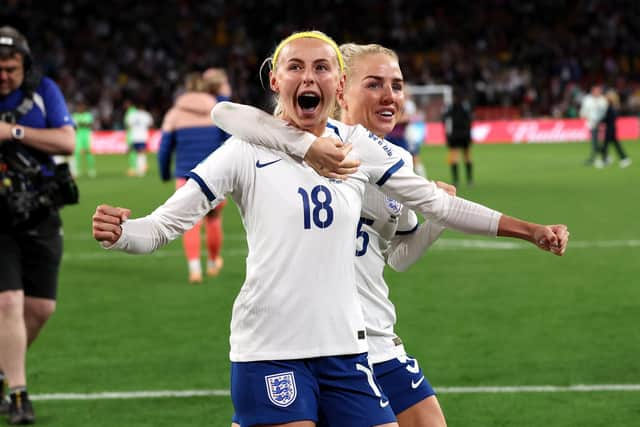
(472, 317)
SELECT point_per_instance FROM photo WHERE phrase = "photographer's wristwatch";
(17, 132)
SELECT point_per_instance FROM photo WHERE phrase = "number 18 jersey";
(299, 297)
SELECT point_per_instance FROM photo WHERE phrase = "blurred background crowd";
(533, 58)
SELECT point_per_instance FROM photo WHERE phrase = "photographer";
(34, 126)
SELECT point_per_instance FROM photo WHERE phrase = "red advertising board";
(483, 132)
(115, 142)
(533, 131)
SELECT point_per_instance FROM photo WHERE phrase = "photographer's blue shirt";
(49, 108)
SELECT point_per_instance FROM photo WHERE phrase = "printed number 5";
(318, 206)
(364, 235)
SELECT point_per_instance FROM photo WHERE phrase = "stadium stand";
(534, 56)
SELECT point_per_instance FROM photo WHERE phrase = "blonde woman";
(298, 336)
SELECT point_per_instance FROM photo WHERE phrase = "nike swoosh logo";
(262, 165)
(415, 385)
(384, 403)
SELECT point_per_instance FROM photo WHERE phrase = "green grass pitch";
(474, 313)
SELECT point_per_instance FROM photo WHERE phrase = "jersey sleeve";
(165, 151)
(379, 159)
(385, 168)
(224, 171)
(407, 222)
(149, 119)
(405, 250)
(217, 175)
(56, 108)
(178, 214)
(127, 118)
(256, 127)
(435, 204)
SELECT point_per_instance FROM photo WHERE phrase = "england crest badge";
(281, 388)
(393, 206)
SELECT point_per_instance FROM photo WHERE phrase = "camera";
(31, 189)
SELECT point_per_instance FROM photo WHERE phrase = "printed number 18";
(318, 206)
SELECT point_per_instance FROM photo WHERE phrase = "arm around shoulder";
(256, 127)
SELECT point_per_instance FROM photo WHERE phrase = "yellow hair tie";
(312, 35)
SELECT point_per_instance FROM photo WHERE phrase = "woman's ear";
(273, 83)
(341, 99)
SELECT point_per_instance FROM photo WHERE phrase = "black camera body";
(29, 189)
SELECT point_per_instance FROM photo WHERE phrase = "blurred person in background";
(415, 133)
(137, 121)
(458, 118)
(188, 131)
(83, 118)
(35, 124)
(610, 130)
(129, 108)
(593, 109)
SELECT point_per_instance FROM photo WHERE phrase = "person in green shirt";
(129, 109)
(84, 122)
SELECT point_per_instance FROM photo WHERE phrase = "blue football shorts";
(403, 382)
(139, 146)
(340, 390)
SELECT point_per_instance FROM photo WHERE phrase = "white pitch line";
(541, 388)
(442, 244)
(449, 244)
(445, 390)
(130, 395)
(84, 237)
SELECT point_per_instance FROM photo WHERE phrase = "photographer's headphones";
(12, 39)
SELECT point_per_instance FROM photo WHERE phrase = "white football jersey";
(299, 297)
(138, 122)
(379, 312)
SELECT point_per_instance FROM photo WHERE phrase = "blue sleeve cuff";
(201, 183)
(393, 169)
(405, 232)
(164, 155)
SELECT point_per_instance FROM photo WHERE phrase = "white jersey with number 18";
(299, 297)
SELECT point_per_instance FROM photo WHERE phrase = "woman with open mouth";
(298, 335)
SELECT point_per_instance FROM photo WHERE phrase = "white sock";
(142, 163)
(194, 266)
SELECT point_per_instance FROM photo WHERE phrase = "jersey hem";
(233, 357)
